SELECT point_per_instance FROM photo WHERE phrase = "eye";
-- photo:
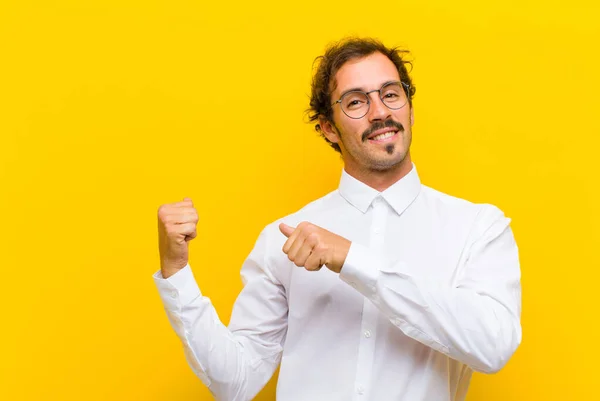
(354, 102)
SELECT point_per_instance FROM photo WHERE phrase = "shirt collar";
(400, 195)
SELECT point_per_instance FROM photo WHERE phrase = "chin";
(384, 165)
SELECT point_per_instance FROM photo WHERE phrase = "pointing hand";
(311, 247)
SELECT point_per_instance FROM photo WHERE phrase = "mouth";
(382, 136)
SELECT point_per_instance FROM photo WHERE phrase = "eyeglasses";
(355, 104)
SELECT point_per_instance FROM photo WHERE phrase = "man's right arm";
(234, 362)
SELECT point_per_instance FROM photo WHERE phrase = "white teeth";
(383, 136)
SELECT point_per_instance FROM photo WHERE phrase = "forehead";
(367, 73)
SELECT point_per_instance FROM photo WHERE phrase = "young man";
(419, 288)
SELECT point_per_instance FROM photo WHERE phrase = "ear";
(412, 116)
(328, 130)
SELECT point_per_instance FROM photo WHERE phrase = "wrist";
(168, 268)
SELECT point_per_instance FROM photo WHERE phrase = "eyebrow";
(363, 90)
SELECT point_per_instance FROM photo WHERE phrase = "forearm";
(466, 326)
(217, 356)
(477, 326)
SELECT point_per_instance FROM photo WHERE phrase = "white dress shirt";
(430, 291)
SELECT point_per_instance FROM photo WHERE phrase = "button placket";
(370, 311)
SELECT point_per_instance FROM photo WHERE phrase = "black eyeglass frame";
(404, 85)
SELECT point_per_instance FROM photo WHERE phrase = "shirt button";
(368, 333)
(360, 390)
(397, 321)
(173, 294)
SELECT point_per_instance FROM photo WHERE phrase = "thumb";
(286, 230)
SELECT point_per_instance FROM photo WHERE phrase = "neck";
(380, 179)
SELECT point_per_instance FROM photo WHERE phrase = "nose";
(377, 109)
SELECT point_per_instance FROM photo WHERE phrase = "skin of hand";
(311, 247)
(176, 227)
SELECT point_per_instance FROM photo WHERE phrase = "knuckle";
(320, 247)
(304, 225)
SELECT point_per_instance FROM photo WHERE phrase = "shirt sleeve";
(476, 320)
(234, 362)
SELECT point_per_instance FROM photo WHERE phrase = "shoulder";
(479, 216)
(449, 202)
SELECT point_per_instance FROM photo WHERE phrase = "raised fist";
(176, 226)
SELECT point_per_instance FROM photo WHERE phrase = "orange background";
(109, 109)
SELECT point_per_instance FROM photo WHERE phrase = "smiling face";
(379, 141)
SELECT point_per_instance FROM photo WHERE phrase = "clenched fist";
(311, 247)
(176, 226)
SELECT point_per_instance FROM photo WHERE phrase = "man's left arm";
(476, 320)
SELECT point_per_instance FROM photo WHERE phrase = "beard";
(373, 160)
(394, 159)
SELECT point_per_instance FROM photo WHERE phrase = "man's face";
(357, 137)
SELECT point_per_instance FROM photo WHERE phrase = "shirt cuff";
(179, 289)
(360, 269)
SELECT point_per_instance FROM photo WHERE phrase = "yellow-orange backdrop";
(110, 108)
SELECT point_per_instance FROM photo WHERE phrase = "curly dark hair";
(336, 55)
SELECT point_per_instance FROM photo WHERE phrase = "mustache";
(377, 125)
